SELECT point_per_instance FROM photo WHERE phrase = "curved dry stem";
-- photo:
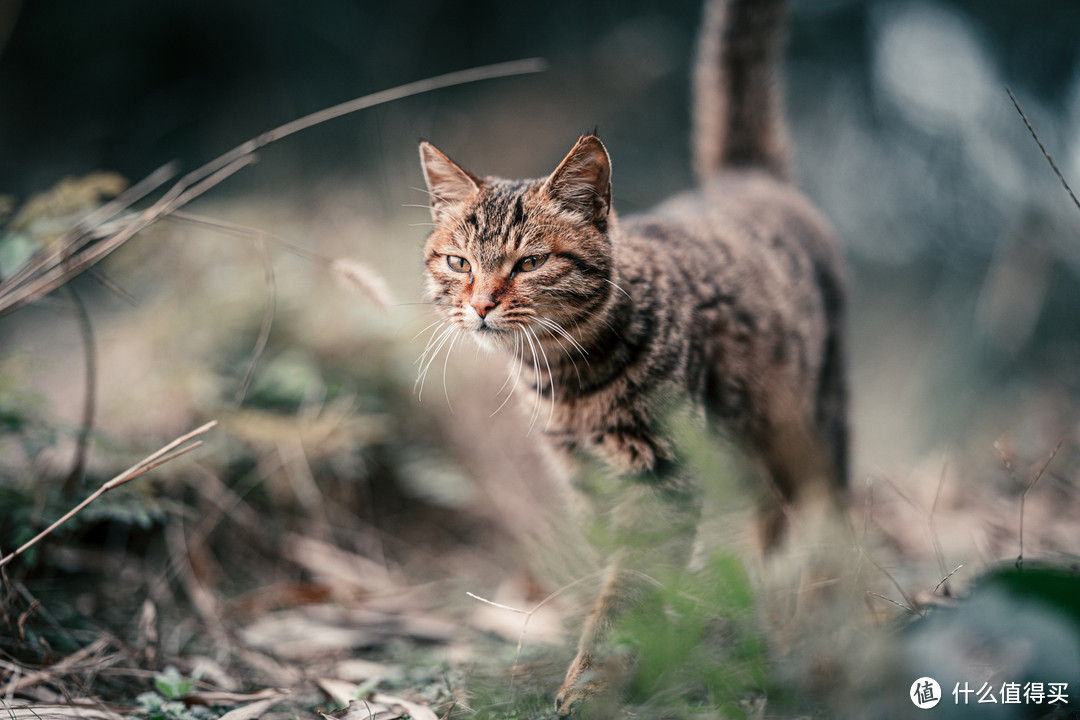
(162, 456)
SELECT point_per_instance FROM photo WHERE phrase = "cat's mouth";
(485, 328)
(490, 332)
(491, 336)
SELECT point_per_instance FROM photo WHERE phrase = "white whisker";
(518, 362)
(569, 356)
(560, 330)
(618, 287)
(446, 361)
(551, 381)
(510, 372)
(443, 338)
(536, 369)
(437, 322)
(435, 335)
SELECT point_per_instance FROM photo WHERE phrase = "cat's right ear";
(582, 182)
(449, 185)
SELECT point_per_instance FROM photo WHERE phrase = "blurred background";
(963, 250)
(903, 130)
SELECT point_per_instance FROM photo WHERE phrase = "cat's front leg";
(653, 525)
(600, 672)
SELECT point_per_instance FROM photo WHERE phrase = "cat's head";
(520, 260)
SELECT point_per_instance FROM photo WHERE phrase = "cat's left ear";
(582, 182)
(449, 185)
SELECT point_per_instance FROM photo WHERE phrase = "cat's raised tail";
(738, 100)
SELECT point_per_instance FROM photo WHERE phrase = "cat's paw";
(593, 690)
(585, 696)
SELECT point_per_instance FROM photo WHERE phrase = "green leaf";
(172, 684)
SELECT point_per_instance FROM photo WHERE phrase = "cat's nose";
(483, 304)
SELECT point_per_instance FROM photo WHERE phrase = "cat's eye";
(458, 263)
(529, 263)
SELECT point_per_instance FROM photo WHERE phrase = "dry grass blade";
(911, 605)
(900, 605)
(89, 241)
(164, 455)
(945, 579)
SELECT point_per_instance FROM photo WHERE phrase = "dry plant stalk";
(1045, 152)
(162, 456)
(1026, 488)
(105, 229)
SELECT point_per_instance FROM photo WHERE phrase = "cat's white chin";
(494, 339)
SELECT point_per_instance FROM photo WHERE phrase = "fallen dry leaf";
(413, 710)
(339, 691)
(365, 710)
(335, 565)
(295, 635)
(232, 698)
(252, 711)
(359, 670)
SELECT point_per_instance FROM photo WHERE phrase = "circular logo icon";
(925, 693)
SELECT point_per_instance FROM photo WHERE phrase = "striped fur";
(729, 295)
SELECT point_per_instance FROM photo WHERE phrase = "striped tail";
(738, 99)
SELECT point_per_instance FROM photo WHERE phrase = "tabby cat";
(730, 295)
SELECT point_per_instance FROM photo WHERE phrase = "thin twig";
(247, 231)
(1042, 147)
(871, 593)
(165, 454)
(1023, 499)
(82, 444)
(911, 603)
(268, 318)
